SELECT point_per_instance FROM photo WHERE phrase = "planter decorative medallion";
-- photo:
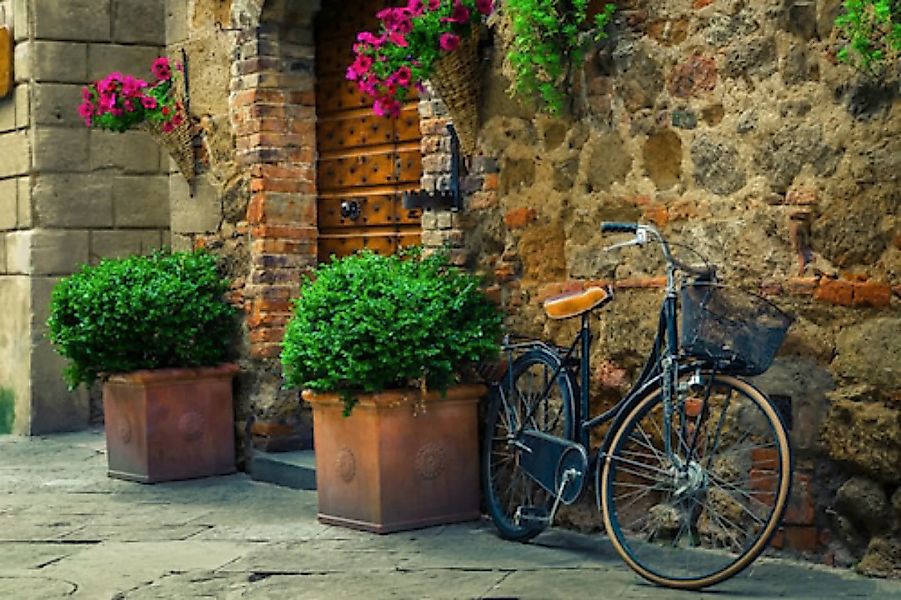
(397, 462)
(170, 424)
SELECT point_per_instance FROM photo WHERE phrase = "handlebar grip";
(612, 227)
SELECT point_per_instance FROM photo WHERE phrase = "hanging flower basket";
(121, 102)
(456, 79)
(426, 40)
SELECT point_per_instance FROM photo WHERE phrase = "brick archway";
(272, 110)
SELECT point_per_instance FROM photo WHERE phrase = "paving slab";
(69, 531)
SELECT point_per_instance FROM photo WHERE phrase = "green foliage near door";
(7, 410)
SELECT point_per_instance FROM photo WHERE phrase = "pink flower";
(161, 69)
(86, 111)
(351, 74)
(386, 107)
(168, 127)
(403, 76)
(177, 120)
(460, 14)
(398, 39)
(129, 106)
(449, 41)
(484, 6)
(87, 94)
(434, 4)
(368, 38)
(149, 102)
(107, 102)
(133, 87)
(416, 7)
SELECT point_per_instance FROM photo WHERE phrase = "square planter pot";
(392, 466)
(170, 424)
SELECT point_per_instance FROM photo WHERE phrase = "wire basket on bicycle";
(738, 331)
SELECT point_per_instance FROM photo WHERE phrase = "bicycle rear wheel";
(699, 517)
(511, 495)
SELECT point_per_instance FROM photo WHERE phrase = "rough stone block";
(72, 200)
(15, 356)
(60, 149)
(41, 289)
(132, 151)
(2, 253)
(14, 158)
(54, 407)
(201, 213)
(21, 10)
(23, 210)
(58, 252)
(65, 62)
(118, 244)
(139, 21)
(177, 25)
(22, 62)
(141, 201)
(22, 98)
(57, 104)
(135, 60)
(8, 210)
(18, 252)
(79, 19)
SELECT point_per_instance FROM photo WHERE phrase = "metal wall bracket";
(442, 200)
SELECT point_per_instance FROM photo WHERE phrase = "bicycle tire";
(506, 485)
(650, 524)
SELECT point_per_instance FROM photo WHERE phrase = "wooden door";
(365, 161)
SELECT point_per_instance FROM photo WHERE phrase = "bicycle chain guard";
(546, 458)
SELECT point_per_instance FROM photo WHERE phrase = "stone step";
(296, 470)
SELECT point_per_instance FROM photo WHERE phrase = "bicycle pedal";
(533, 515)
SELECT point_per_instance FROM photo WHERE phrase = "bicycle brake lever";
(634, 242)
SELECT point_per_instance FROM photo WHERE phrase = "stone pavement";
(66, 530)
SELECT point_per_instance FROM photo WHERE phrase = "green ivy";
(142, 312)
(871, 34)
(366, 323)
(549, 37)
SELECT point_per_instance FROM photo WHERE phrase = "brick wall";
(69, 195)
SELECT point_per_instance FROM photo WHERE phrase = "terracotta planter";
(170, 424)
(392, 466)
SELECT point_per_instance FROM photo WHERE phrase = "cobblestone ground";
(66, 530)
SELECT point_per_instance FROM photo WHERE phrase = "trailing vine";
(549, 37)
(871, 33)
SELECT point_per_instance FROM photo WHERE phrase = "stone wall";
(727, 123)
(68, 195)
(730, 126)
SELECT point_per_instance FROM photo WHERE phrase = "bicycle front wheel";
(700, 513)
(540, 399)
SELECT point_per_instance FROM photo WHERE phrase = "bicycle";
(693, 475)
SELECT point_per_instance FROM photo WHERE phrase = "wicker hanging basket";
(179, 142)
(456, 79)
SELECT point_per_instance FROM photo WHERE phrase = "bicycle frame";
(661, 362)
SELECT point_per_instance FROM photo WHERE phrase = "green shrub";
(367, 323)
(142, 312)
(870, 31)
(549, 37)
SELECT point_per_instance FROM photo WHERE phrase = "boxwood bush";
(367, 323)
(142, 312)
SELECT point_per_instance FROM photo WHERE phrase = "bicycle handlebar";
(612, 227)
(642, 231)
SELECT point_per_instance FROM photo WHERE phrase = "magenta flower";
(416, 7)
(368, 38)
(168, 127)
(149, 102)
(398, 39)
(434, 4)
(460, 14)
(86, 111)
(449, 41)
(87, 94)
(161, 69)
(387, 107)
(403, 76)
(484, 6)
